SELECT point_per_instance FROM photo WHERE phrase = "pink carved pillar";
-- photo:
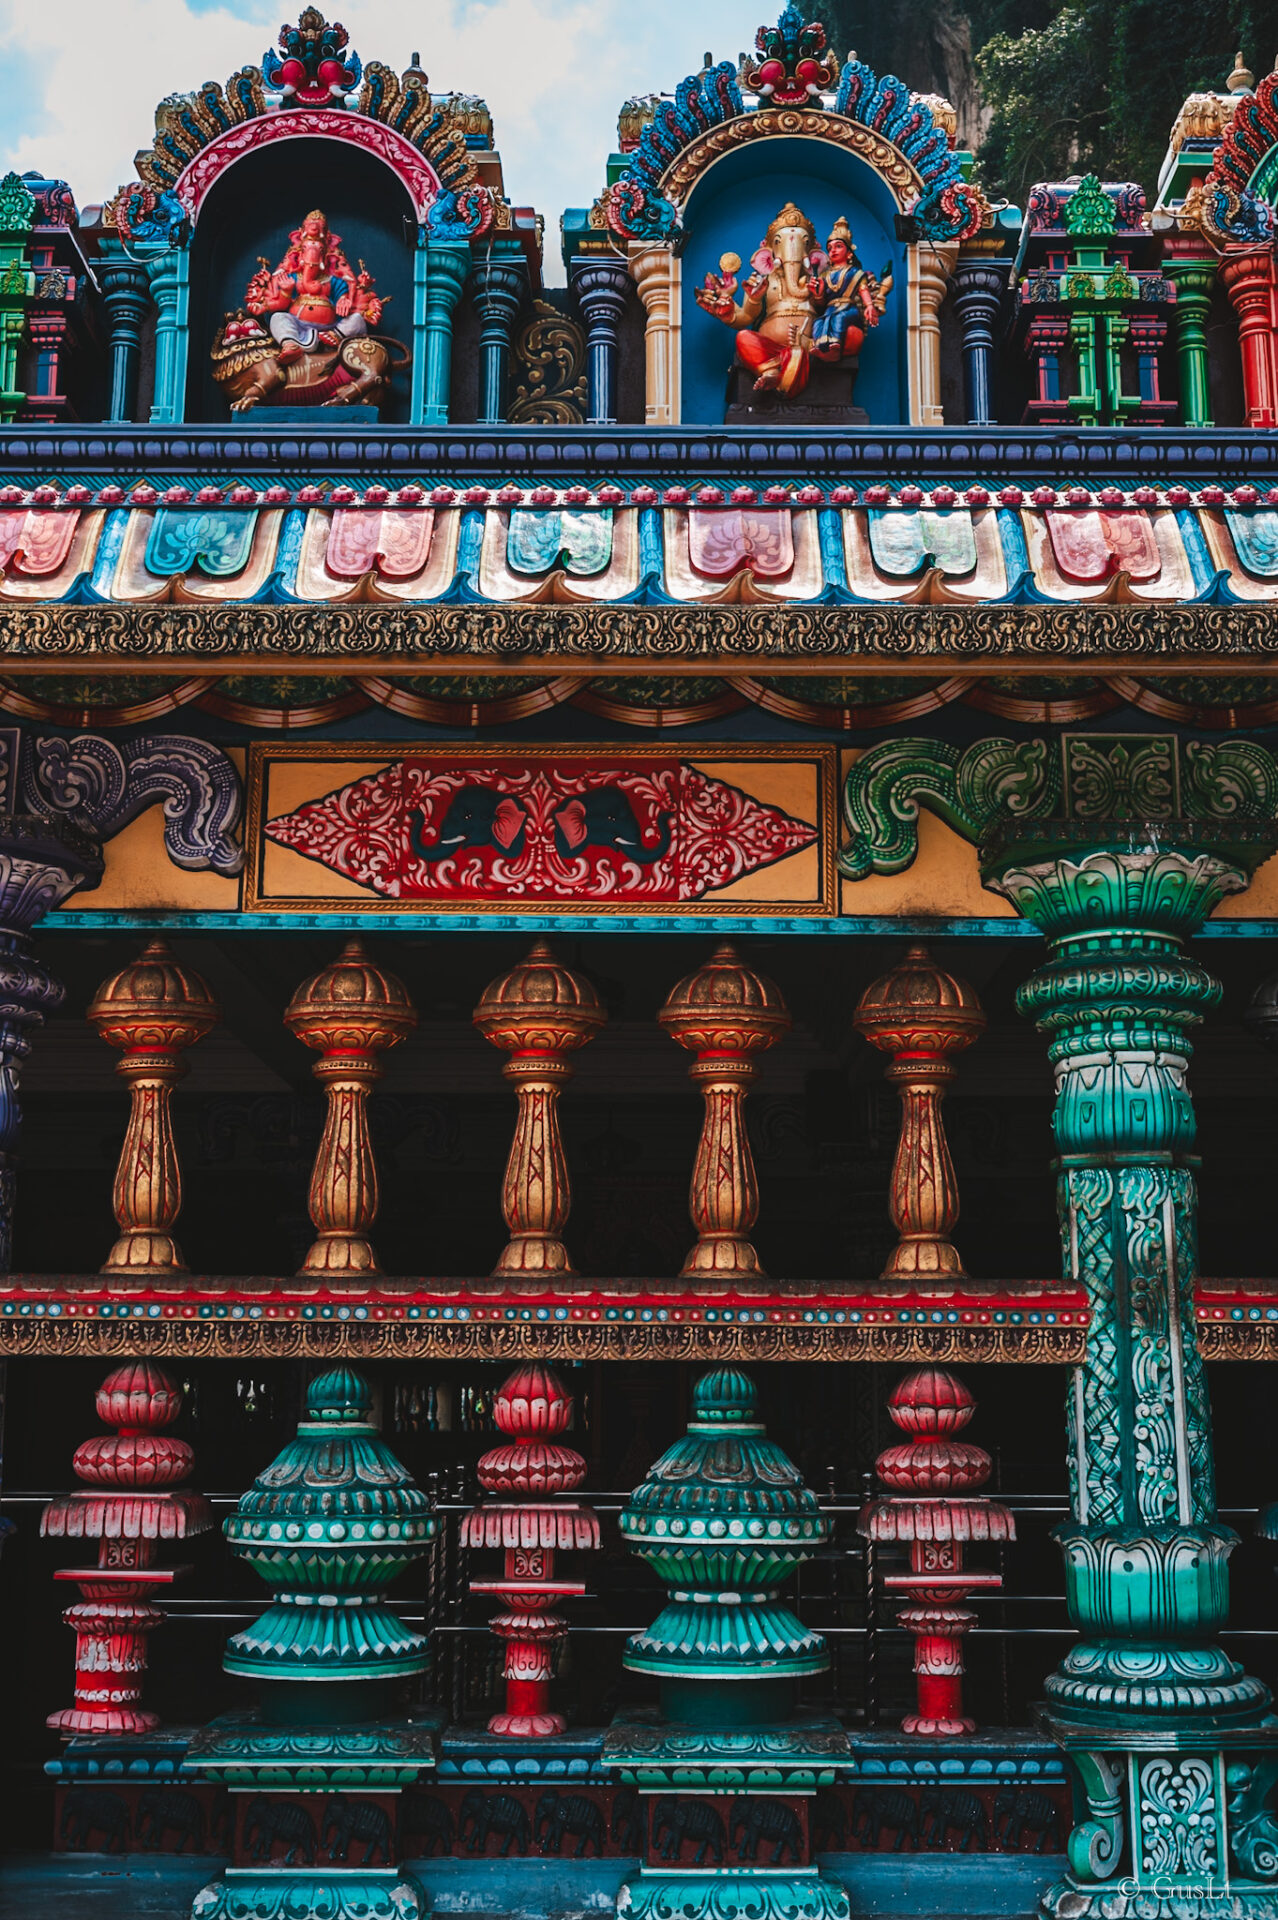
(532, 1409)
(931, 1505)
(130, 1500)
(1251, 280)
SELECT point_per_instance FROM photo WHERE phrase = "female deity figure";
(797, 301)
(314, 297)
(850, 299)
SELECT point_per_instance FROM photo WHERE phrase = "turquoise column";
(169, 273)
(1118, 849)
(126, 296)
(439, 274)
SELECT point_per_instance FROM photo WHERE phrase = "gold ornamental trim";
(322, 1340)
(683, 173)
(1025, 1323)
(416, 1341)
(453, 638)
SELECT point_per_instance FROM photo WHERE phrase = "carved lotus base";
(528, 1726)
(731, 1896)
(942, 1727)
(1105, 1678)
(293, 1895)
(103, 1720)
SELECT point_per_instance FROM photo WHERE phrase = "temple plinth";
(329, 1525)
(723, 1519)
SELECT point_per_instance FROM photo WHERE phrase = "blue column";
(499, 288)
(439, 274)
(601, 286)
(979, 287)
(126, 293)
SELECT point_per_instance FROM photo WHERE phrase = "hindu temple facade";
(634, 992)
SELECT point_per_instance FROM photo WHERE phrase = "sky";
(82, 77)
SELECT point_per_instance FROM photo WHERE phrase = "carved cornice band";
(1025, 1323)
(454, 637)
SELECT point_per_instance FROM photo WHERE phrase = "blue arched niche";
(730, 210)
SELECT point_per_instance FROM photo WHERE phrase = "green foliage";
(1070, 86)
(1046, 89)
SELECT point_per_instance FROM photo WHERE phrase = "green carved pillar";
(1117, 849)
(1194, 279)
(724, 1518)
(17, 287)
(316, 1774)
(439, 274)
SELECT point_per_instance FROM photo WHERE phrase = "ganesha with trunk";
(798, 303)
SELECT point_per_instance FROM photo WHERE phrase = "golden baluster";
(153, 1009)
(921, 1016)
(724, 1014)
(538, 1012)
(349, 1013)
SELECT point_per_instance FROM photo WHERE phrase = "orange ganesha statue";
(799, 302)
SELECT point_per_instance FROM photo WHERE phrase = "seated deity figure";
(314, 297)
(799, 302)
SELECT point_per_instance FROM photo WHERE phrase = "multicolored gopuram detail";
(835, 601)
(723, 1519)
(317, 1772)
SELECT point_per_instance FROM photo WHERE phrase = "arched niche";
(730, 209)
(251, 209)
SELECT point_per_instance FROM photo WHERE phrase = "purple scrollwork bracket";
(100, 785)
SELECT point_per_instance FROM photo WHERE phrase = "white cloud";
(553, 72)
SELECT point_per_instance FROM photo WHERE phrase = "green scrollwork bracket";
(1229, 780)
(969, 790)
(1253, 1832)
(1088, 783)
(1095, 1846)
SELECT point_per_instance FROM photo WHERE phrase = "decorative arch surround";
(1240, 191)
(875, 117)
(198, 135)
(414, 171)
(440, 155)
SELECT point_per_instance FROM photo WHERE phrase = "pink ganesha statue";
(305, 332)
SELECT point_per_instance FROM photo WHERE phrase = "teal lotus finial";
(329, 1524)
(339, 1395)
(726, 1395)
(723, 1517)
